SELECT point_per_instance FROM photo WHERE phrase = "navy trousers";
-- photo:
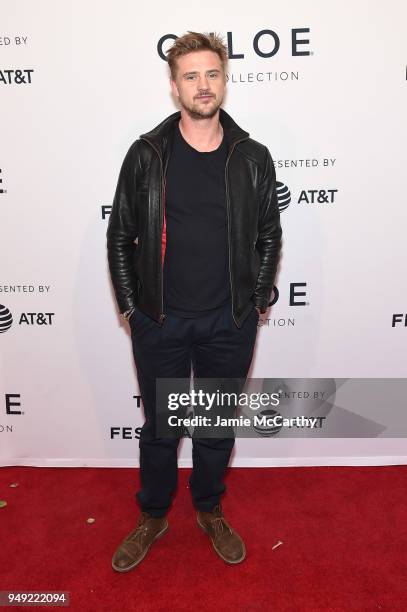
(215, 347)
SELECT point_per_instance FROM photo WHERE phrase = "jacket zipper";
(228, 211)
(162, 315)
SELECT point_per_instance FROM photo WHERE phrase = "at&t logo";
(26, 318)
(6, 319)
(283, 196)
(1, 183)
(16, 77)
(317, 196)
(307, 196)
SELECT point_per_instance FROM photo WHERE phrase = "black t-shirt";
(196, 264)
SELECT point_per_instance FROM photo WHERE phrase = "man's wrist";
(261, 310)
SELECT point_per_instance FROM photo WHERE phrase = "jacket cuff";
(261, 302)
(126, 303)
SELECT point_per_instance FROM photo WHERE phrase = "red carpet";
(343, 532)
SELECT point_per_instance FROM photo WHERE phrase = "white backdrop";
(91, 81)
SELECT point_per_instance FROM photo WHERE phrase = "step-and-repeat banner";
(324, 87)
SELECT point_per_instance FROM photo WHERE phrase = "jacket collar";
(160, 135)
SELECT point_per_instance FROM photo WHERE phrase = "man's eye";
(213, 74)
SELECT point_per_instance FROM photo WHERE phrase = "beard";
(196, 111)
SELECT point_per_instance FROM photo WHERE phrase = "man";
(193, 244)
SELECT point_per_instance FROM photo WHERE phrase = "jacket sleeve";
(121, 233)
(269, 234)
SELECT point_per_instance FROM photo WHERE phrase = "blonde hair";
(195, 41)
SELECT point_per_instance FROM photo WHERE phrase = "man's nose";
(203, 83)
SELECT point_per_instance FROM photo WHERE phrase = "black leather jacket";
(136, 229)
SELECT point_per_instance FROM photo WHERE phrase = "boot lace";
(219, 523)
(140, 530)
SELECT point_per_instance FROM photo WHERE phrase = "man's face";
(200, 83)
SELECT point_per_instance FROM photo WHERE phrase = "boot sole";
(123, 570)
(217, 551)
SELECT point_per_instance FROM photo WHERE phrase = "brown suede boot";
(135, 546)
(226, 542)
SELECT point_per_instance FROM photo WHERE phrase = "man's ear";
(174, 88)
